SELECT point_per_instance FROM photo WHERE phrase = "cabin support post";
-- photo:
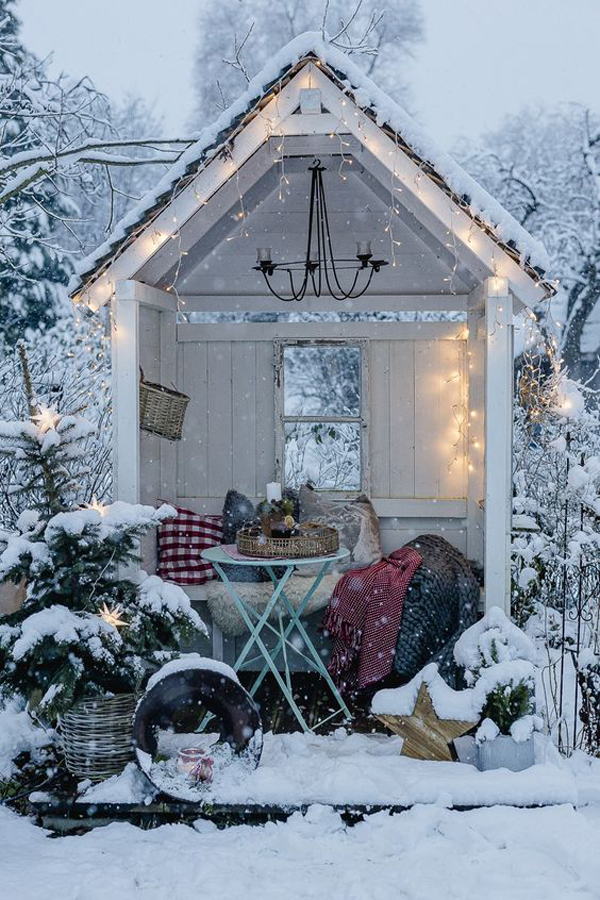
(498, 441)
(476, 430)
(126, 392)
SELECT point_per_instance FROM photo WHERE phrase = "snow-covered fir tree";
(58, 145)
(84, 628)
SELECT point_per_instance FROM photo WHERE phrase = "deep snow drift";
(423, 854)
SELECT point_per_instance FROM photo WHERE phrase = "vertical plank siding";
(418, 390)
(230, 385)
(402, 418)
(220, 419)
(192, 461)
(379, 437)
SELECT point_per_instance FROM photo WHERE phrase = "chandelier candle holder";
(320, 268)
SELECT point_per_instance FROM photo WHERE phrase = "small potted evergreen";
(500, 665)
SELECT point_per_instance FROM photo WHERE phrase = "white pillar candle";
(273, 491)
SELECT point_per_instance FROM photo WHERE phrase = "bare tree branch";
(237, 62)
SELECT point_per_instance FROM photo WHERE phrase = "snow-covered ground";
(344, 768)
(424, 854)
(428, 852)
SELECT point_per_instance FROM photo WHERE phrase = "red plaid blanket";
(364, 619)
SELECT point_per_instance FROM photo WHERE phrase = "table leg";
(290, 625)
(256, 639)
(217, 642)
(321, 668)
(296, 623)
(253, 628)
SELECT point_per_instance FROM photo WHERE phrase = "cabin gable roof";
(271, 97)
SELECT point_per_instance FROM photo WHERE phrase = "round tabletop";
(218, 555)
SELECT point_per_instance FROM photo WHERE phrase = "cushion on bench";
(225, 614)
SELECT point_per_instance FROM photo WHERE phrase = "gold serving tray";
(315, 540)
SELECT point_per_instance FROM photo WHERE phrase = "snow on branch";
(342, 38)
(238, 48)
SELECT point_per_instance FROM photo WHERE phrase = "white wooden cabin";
(436, 382)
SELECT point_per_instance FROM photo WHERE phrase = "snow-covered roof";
(375, 103)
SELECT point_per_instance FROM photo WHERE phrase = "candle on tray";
(273, 492)
(188, 758)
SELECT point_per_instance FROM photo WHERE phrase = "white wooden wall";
(418, 387)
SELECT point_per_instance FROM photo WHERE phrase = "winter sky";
(481, 60)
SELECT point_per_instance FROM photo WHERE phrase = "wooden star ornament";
(426, 736)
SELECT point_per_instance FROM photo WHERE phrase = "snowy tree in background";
(57, 144)
(72, 380)
(82, 630)
(556, 477)
(544, 167)
(556, 543)
(260, 26)
(31, 264)
(109, 191)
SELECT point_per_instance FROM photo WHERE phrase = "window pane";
(325, 453)
(321, 381)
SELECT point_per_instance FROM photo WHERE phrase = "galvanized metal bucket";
(506, 753)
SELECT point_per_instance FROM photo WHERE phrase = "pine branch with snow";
(84, 630)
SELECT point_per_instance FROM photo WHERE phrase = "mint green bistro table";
(280, 603)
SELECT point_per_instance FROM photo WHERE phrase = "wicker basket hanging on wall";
(162, 409)
(97, 736)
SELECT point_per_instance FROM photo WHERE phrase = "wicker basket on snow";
(162, 409)
(316, 540)
(97, 736)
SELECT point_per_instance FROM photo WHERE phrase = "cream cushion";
(225, 614)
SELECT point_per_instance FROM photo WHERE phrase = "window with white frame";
(321, 400)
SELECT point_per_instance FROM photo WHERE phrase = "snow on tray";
(367, 94)
(298, 769)
(131, 786)
(191, 661)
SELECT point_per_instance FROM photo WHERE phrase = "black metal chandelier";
(320, 267)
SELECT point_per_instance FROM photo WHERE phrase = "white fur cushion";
(225, 614)
(356, 521)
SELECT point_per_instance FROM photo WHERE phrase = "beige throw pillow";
(356, 521)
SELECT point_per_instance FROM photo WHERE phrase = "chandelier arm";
(352, 296)
(311, 208)
(274, 292)
(298, 295)
(345, 295)
(323, 244)
(316, 291)
(326, 242)
(320, 255)
(327, 233)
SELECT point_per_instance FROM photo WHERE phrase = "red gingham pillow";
(180, 542)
